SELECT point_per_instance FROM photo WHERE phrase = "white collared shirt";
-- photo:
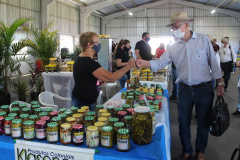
(225, 54)
(192, 60)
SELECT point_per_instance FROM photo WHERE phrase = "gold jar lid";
(98, 124)
(85, 107)
(106, 114)
(77, 115)
(71, 119)
(65, 125)
(102, 119)
(81, 110)
(92, 128)
(102, 111)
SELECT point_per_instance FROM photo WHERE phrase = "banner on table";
(25, 150)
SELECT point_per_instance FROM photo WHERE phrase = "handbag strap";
(218, 100)
(231, 52)
(235, 152)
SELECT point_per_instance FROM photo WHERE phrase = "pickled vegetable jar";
(15, 110)
(137, 97)
(125, 107)
(26, 110)
(41, 127)
(52, 132)
(107, 115)
(1, 125)
(116, 127)
(5, 108)
(142, 103)
(58, 121)
(68, 113)
(77, 134)
(34, 118)
(128, 123)
(34, 107)
(7, 125)
(13, 115)
(81, 111)
(99, 125)
(104, 120)
(53, 114)
(34, 103)
(71, 120)
(86, 108)
(107, 137)
(110, 109)
(130, 101)
(92, 113)
(37, 111)
(116, 110)
(48, 110)
(78, 117)
(98, 107)
(74, 110)
(3, 114)
(124, 95)
(15, 104)
(150, 102)
(62, 110)
(123, 140)
(28, 130)
(92, 136)
(89, 121)
(16, 127)
(63, 117)
(45, 118)
(112, 121)
(42, 114)
(24, 117)
(65, 133)
(101, 111)
(121, 115)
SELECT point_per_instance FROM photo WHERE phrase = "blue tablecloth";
(156, 150)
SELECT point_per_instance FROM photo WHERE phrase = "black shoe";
(183, 156)
(225, 89)
(237, 113)
(172, 97)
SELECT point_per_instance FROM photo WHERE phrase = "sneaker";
(237, 113)
(172, 97)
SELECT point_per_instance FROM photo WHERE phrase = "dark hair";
(227, 38)
(125, 41)
(119, 45)
(144, 34)
(162, 46)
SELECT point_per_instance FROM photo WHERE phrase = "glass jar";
(128, 123)
(124, 95)
(130, 101)
(151, 107)
(21, 106)
(92, 136)
(142, 125)
(48, 110)
(58, 121)
(150, 102)
(71, 120)
(15, 110)
(15, 105)
(37, 111)
(107, 115)
(24, 117)
(45, 118)
(34, 103)
(92, 113)
(107, 137)
(26, 110)
(142, 103)
(130, 111)
(34, 107)
(52, 132)
(89, 121)
(16, 129)
(81, 111)
(68, 113)
(62, 110)
(123, 140)
(3, 114)
(136, 105)
(42, 114)
(116, 110)
(137, 96)
(7, 125)
(53, 114)
(153, 126)
(63, 117)
(74, 110)
(116, 127)
(5, 108)
(110, 109)
(77, 134)
(13, 115)
(112, 121)
(1, 125)
(41, 128)
(65, 133)
(78, 117)
(28, 130)
(34, 118)
(125, 107)
(121, 115)
(155, 103)
(101, 111)
(98, 107)
(99, 125)
(104, 120)
(86, 108)
(156, 109)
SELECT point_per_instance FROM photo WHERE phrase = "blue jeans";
(202, 98)
(239, 99)
(174, 78)
(123, 80)
(79, 104)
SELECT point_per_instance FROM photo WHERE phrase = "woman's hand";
(102, 83)
(143, 63)
(131, 63)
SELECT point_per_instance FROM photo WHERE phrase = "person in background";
(215, 40)
(143, 49)
(227, 55)
(122, 58)
(113, 49)
(89, 75)
(160, 50)
(169, 44)
(237, 112)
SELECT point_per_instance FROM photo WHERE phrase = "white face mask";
(178, 33)
(222, 44)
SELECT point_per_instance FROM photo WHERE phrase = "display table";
(163, 84)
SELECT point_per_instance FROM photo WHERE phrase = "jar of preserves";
(89, 121)
(104, 120)
(65, 133)
(99, 125)
(130, 111)
(71, 120)
(52, 132)
(128, 123)
(74, 110)
(48, 110)
(1, 125)
(92, 113)
(86, 108)
(7, 125)
(78, 117)
(124, 95)
(107, 137)
(42, 114)
(110, 109)
(57, 120)
(15, 110)
(53, 114)
(153, 125)
(112, 121)
(68, 113)
(142, 103)
(107, 115)
(24, 117)
(123, 140)
(34, 107)
(13, 115)
(37, 111)
(5, 108)
(26, 110)
(125, 107)
(41, 128)
(101, 111)
(62, 110)
(63, 117)
(34, 118)
(77, 134)
(28, 130)
(116, 127)
(130, 101)
(142, 125)
(121, 115)
(15, 105)
(16, 128)
(45, 118)
(3, 114)
(98, 107)
(116, 110)
(92, 136)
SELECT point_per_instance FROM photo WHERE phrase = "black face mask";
(126, 49)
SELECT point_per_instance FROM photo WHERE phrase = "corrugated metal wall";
(154, 20)
(93, 23)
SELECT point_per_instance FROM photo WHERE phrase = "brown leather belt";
(195, 86)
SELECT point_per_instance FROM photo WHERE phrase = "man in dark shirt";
(143, 49)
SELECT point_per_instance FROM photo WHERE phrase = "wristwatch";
(221, 84)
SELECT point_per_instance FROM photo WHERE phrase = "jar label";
(7, 129)
(105, 141)
(78, 137)
(28, 133)
(17, 132)
(94, 141)
(122, 144)
(40, 133)
(66, 137)
(52, 136)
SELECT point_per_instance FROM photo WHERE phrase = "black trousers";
(226, 69)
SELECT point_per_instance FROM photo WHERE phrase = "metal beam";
(207, 2)
(230, 3)
(117, 7)
(133, 3)
(103, 14)
(81, 3)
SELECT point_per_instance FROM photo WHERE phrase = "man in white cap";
(192, 55)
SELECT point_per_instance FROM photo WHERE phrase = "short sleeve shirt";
(144, 50)
(123, 55)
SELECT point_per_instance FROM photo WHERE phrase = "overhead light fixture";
(130, 13)
(213, 11)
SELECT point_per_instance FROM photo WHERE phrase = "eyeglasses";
(176, 27)
(98, 42)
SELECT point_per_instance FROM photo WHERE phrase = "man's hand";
(220, 90)
(131, 63)
(143, 63)
(102, 83)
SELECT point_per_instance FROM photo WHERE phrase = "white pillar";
(44, 14)
(83, 21)
(103, 27)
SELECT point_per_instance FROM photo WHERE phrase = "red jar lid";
(53, 113)
(41, 122)
(130, 110)
(77, 126)
(1, 118)
(122, 112)
(45, 118)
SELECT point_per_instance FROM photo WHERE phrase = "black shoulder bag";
(237, 150)
(220, 119)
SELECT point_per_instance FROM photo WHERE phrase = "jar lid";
(142, 109)
(113, 119)
(38, 110)
(118, 109)
(29, 122)
(159, 94)
(63, 109)
(55, 119)
(136, 105)
(123, 131)
(119, 124)
(66, 125)
(43, 114)
(62, 115)
(12, 114)
(156, 109)
(74, 108)
(34, 102)
(99, 106)
(40, 122)
(15, 103)
(122, 112)
(92, 128)
(107, 128)
(77, 115)
(91, 113)
(35, 106)
(89, 118)
(150, 100)
(151, 106)
(71, 119)
(129, 97)
(128, 117)
(53, 113)
(77, 126)
(126, 106)
(2, 113)
(152, 110)
(5, 106)
(81, 110)
(106, 114)
(17, 121)
(130, 94)
(24, 115)
(22, 105)
(52, 124)
(98, 124)
(1, 118)
(15, 109)
(110, 107)
(102, 119)
(138, 93)
(124, 92)
(102, 111)
(68, 112)
(26, 109)
(85, 107)
(156, 103)
(33, 116)
(8, 118)
(130, 110)
(48, 109)
(45, 118)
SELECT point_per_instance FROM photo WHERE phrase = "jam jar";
(92, 113)
(5, 108)
(124, 95)
(121, 115)
(89, 121)
(28, 130)
(15, 104)
(16, 129)
(41, 128)
(45, 118)
(71, 120)
(92, 136)
(101, 111)
(68, 113)
(63, 117)
(116, 127)
(104, 120)
(42, 114)
(86, 108)
(98, 107)
(15, 110)
(48, 110)
(116, 110)
(53, 114)
(7, 125)
(112, 121)
(34, 118)
(26, 110)
(24, 117)
(77, 134)
(128, 123)
(123, 140)
(37, 111)
(125, 107)
(65, 133)
(52, 132)
(3, 114)
(62, 110)
(1, 125)
(74, 110)
(13, 115)
(130, 111)
(110, 109)
(79, 119)
(107, 137)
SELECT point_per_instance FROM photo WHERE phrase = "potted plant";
(21, 88)
(32, 83)
(9, 62)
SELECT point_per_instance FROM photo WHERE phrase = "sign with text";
(25, 150)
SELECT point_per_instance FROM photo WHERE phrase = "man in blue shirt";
(192, 55)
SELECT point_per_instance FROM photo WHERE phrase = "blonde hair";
(85, 38)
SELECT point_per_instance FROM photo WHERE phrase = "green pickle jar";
(28, 130)
(107, 137)
(150, 102)
(110, 109)
(98, 107)
(63, 117)
(92, 113)
(13, 115)
(68, 113)
(21, 106)
(74, 110)
(116, 127)
(112, 121)
(34, 107)
(124, 95)
(142, 103)
(16, 129)
(57, 120)
(15, 110)
(123, 140)
(52, 132)
(24, 117)
(37, 111)
(34, 118)
(48, 110)
(128, 123)
(15, 104)
(130, 101)
(116, 110)
(89, 121)
(3, 113)
(62, 110)
(42, 114)
(137, 96)
(125, 107)
(5, 108)
(26, 110)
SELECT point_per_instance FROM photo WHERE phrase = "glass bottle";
(77, 134)
(92, 136)
(107, 137)
(74, 110)
(28, 130)
(52, 132)
(16, 131)
(89, 121)
(112, 121)
(116, 127)
(41, 128)
(65, 133)
(123, 140)
(7, 125)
